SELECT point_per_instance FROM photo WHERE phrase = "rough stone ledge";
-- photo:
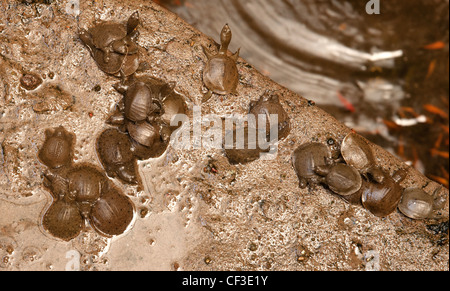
(251, 217)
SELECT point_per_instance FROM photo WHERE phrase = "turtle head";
(225, 38)
(86, 38)
(133, 22)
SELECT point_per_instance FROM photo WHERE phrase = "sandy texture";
(245, 217)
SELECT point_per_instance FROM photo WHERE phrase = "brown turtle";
(114, 150)
(221, 75)
(248, 151)
(113, 46)
(307, 158)
(57, 149)
(342, 179)
(269, 105)
(416, 204)
(146, 113)
(381, 199)
(112, 214)
(357, 153)
(63, 219)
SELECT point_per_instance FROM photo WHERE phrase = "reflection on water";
(384, 75)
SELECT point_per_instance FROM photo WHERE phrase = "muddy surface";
(194, 211)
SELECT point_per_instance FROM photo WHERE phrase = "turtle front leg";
(86, 38)
(207, 52)
(207, 96)
(106, 54)
(57, 185)
(322, 170)
(303, 183)
(235, 57)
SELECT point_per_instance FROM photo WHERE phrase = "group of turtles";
(141, 129)
(81, 193)
(349, 170)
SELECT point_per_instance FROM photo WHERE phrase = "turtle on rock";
(113, 46)
(221, 75)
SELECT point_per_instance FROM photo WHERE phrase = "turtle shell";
(86, 183)
(63, 220)
(105, 34)
(381, 199)
(159, 146)
(130, 64)
(114, 148)
(344, 180)
(117, 62)
(112, 213)
(138, 102)
(357, 153)
(248, 153)
(221, 75)
(57, 149)
(113, 66)
(173, 104)
(416, 204)
(269, 105)
(143, 133)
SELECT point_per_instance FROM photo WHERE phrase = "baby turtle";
(342, 179)
(148, 99)
(114, 150)
(221, 75)
(57, 149)
(381, 199)
(117, 65)
(146, 113)
(140, 101)
(416, 204)
(156, 134)
(56, 184)
(63, 219)
(144, 133)
(248, 153)
(268, 105)
(85, 183)
(112, 213)
(172, 105)
(113, 46)
(307, 158)
(82, 192)
(357, 153)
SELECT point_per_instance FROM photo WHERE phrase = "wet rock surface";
(195, 208)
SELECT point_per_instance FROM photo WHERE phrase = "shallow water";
(377, 74)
